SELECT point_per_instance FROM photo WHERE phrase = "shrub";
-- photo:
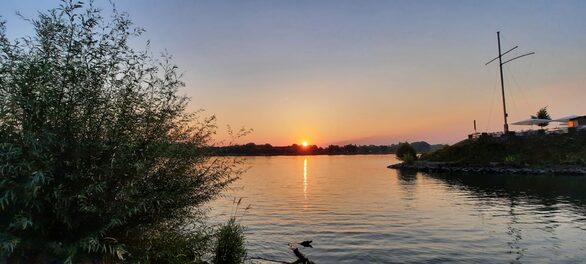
(230, 248)
(406, 153)
(98, 156)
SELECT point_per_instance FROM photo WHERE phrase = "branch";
(301, 259)
(271, 260)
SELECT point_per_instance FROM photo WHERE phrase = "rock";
(492, 167)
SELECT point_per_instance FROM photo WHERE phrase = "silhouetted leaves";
(98, 158)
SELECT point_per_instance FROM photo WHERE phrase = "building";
(579, 121)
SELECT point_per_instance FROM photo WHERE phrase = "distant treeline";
(252, 149)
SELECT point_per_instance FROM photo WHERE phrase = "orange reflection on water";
(305, 178)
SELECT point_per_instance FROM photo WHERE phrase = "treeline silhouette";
(252, 149)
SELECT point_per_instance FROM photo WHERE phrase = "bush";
(98, 157)
(406, 152)
(230, 248)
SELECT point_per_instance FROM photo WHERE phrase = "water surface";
(358, 211)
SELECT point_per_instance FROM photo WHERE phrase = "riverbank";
(493, 168)
(535, 154)
(529, 150)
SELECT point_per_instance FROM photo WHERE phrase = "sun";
(304, 143)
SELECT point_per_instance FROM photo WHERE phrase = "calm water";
(358, 211)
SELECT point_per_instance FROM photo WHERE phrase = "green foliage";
(406, 152)
(542, 114)
(173, 244)
(98, 156)
(511, 160)
(538, 149)
(230, 248)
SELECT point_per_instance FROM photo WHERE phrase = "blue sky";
(362, 71)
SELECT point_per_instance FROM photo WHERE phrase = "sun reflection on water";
(305, 178)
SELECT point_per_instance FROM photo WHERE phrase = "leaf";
(120, 253)
(21, 222)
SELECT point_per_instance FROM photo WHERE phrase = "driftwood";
(271, 260)
(301, 259)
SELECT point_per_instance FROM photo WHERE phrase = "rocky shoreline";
(498, 168)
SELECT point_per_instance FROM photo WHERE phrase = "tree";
(542, 114)
(406, 152)
(99, 159)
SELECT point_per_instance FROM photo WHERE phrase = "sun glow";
(304, 143)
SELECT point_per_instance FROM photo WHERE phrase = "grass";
(230, 248)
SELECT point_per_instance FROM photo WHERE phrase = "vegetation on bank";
(406, 153)
(99, 161)
(531, 150)
(252, 149)
(230, 247)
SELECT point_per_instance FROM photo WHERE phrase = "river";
(357, 211)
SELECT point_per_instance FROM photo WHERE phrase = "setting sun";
(305, 144)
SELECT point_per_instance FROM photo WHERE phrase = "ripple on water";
(358, 211)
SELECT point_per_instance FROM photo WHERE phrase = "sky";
(362, 72)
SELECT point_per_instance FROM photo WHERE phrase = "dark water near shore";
(358, 211)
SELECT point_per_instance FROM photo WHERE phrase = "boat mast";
(501, 63)
(498, 36)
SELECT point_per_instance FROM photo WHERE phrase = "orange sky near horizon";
(357, 82)
(361, 72)
(441, 115)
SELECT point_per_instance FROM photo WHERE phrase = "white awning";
(564, 119)
(532, 121)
